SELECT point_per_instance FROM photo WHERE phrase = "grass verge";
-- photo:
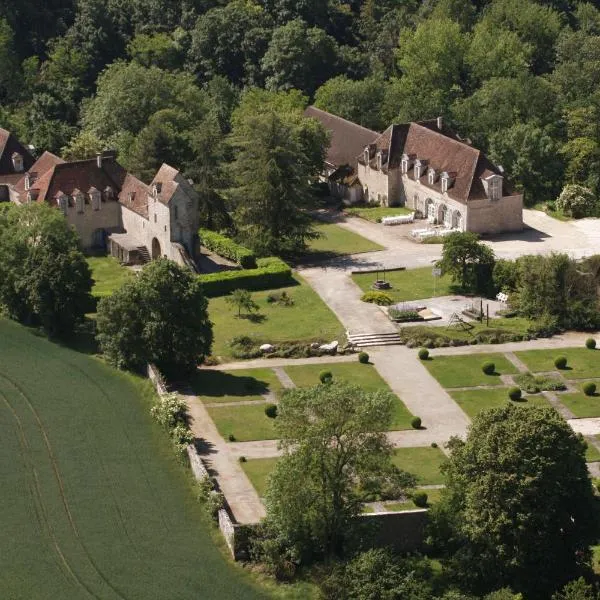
(474, 401)
(234, 386)
(424, 463)
(246, 423)
(581, 362)
(376, 213)
(338, 241)
(258, 471)
(108, 275)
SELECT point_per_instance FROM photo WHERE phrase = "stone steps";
(144, 254)
(365, 340)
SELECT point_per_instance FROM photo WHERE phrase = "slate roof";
(8, 146)
(347, 139)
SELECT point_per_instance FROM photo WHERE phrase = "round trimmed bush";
(416, 423)
(271, 410)
(326, 376)
(242, 459)
(363, 358)
(514, 393)
(420, 499)
(590, 343)
(589, 388)
(231, 437)
(489, 368)
(560, 362)
(434, 444)
(423, 354)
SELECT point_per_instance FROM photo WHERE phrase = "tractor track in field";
(60, 483)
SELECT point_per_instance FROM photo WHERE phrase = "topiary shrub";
(420, 499)
(242, 459)
(379, 298)
(326, 376)
(271, 410)
(560, 362)
(363, 358)
(589, 388)
(416, 423)
(423, 354)
(514, 393)
(231, 437)
(590, 344)
(434, 444)
(489, 368)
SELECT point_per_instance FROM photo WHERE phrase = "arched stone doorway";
(442, 214)
(156, 252)
(430, 210)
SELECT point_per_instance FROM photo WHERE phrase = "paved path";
(284, 378)
(241, 496)
(272, 363)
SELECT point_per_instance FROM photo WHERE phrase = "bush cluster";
(245, 347)
(589, 388)
(489, 368)
(379, 298)
(535, 384)
(404, 315)
(226, 247)
(270, 273)
(281, 298)
(170, 412)
(420, 499)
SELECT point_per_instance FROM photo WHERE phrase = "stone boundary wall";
(404, 531)
(157, 379)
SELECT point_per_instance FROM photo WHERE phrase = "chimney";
(501, 169)
(440, 123)
(99, 160)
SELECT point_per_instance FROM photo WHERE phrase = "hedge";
(270, 273)
(226, 247)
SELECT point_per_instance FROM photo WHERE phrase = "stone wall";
(157, 379)
(90, 223)
(496, 216)
(403, 531)
(376, 184)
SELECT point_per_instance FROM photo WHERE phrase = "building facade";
(111, 209)
(426, 167)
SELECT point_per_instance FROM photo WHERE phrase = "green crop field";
(94, 504)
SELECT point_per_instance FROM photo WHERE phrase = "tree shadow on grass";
(218, 384)
(254, 317)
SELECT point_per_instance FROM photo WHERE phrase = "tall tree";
(334, 449)
(44, 277)
(272, 172)
(517, 484)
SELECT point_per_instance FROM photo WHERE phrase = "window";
(95, 200)
(79, 203)
(431, 176)
(495, 188)
(176, 213)
(379, 160)
(418, 166)
(444, 185)
(404, 165)
(155, 217)
(366, 156)
(17, 161)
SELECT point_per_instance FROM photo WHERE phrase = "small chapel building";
(423, 166)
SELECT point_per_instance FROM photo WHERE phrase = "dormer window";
(17, 161)
(418, 169)
(79, 200)
(108, 192)
(404, 164)
(366, 156)
(131, 196)
(431, 176)
(495, 188)
(379, 160)
(156, 189)
(96, 199)
(447, 180)
(63, 202)
(27, 181)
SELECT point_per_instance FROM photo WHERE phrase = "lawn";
(580, 405)
(234, 386)
(108, 274)
(592, 454)
(581, 362)
(424, 463)
(555, 214)
(376, 213)
(94, 504)
(473, 401)
(433, 497)
(308, 319)
(410, 284)
(258, 471)
(338, 241)
(364, 375)
(465, 371)
(246, 422)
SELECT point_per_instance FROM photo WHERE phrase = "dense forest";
(162, 80)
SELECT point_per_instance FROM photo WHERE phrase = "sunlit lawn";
(308, 319)
(410, 284)
(376, 213)
(580, 405)
(433, 497)
(258, 471)
(365, 376)
(108, 274)
(581, 362)
(245, 422)
(592, 454)
(338, 241)
(473, 401)
(465, 371)
(234, 386)
(424, 463)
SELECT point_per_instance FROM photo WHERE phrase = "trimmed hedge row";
(270, 273)
(226, 247)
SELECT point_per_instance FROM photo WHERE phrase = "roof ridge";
(345, 120)
(446, 137)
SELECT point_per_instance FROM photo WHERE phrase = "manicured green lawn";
(423, 462)
(94, 503)
(581, 362)
(309, 318)
(376, 213)
(592, 454)
(108, 274)
(410, 284)
(580, 405)
(465, 371)
(364, 375)
(473, 401)
(338, 241)
(245, 422)
(234, 386)
(258, 471)
(555, 214)
(433, 497)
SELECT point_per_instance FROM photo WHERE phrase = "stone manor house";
(423, 166)
(109, 208)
